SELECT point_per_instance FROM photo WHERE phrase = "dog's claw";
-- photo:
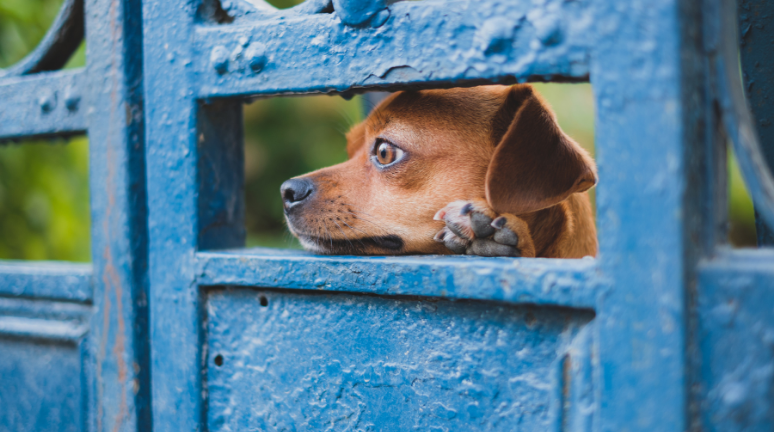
(472, 228)
(499, 222)
(440, 235)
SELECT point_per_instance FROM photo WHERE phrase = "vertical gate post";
(118, 342)
(194, 163)
(655, 165)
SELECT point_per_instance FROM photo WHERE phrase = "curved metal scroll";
(737, 117)
(59, 44)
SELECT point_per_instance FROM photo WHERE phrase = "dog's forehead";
(436, 110)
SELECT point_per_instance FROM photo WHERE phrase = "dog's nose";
(295, 191)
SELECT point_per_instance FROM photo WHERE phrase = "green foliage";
(741, 215)
(44, 185)
(44, 201)
(22, 25)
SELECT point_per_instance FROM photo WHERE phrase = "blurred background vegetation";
(44, 198)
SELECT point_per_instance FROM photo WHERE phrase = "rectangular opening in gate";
(423, 153)
(44, 200)
(301, 360)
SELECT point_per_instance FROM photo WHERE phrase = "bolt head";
(71, 99)
(549, 32)
(256, 56)
(219, 59)
(47, 100)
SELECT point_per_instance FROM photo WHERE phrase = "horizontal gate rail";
(42, 329)
(37, 319)
(43, 104)
(569, 283)
(739, 263)
(48, 280)
(425, 44)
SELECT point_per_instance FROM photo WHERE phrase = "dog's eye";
(387, 153)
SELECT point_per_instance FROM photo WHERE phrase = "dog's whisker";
(359, 212)
(358, 217)
(330, 237)
(347, 237)
(355, 229)
(374, 225)
(342, 231)
(362, 212)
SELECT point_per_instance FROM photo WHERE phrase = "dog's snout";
(295, 191)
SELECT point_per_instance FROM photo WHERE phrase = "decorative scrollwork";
(738, 119)
(57, 46)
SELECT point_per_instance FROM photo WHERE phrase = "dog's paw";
(473, 228)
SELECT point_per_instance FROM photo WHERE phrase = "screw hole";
(219, 360)
(264, 301)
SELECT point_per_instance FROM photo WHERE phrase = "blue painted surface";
(42, 388)
(61, 281)
(41, 365)
(666, 330)
(36, 105)
(499, 41)
(101, 380)
(736, 338)
(313, 361)
(571, 283)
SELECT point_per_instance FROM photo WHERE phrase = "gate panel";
(42, 366)
(90, 373)
(42, 386)
(284, 360)
(736, 338)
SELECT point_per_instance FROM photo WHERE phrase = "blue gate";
(176, 326)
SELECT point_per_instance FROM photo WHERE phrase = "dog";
(480, 171)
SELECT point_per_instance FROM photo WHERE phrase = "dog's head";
(419, 151)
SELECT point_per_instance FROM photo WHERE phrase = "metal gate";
(175, 326)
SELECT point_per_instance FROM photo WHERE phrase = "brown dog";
(483, 171)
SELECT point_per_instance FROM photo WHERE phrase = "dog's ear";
(535, 165)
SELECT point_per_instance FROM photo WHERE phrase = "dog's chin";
(379, 245)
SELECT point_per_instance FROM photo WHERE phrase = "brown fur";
(497, 143)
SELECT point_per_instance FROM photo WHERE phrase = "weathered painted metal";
(317, 361)
(666, 330)
(432, 43)
(42, 365)
(570, 283)
(48, 280)
(736, 337)
(90, 372)
(46, 104)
